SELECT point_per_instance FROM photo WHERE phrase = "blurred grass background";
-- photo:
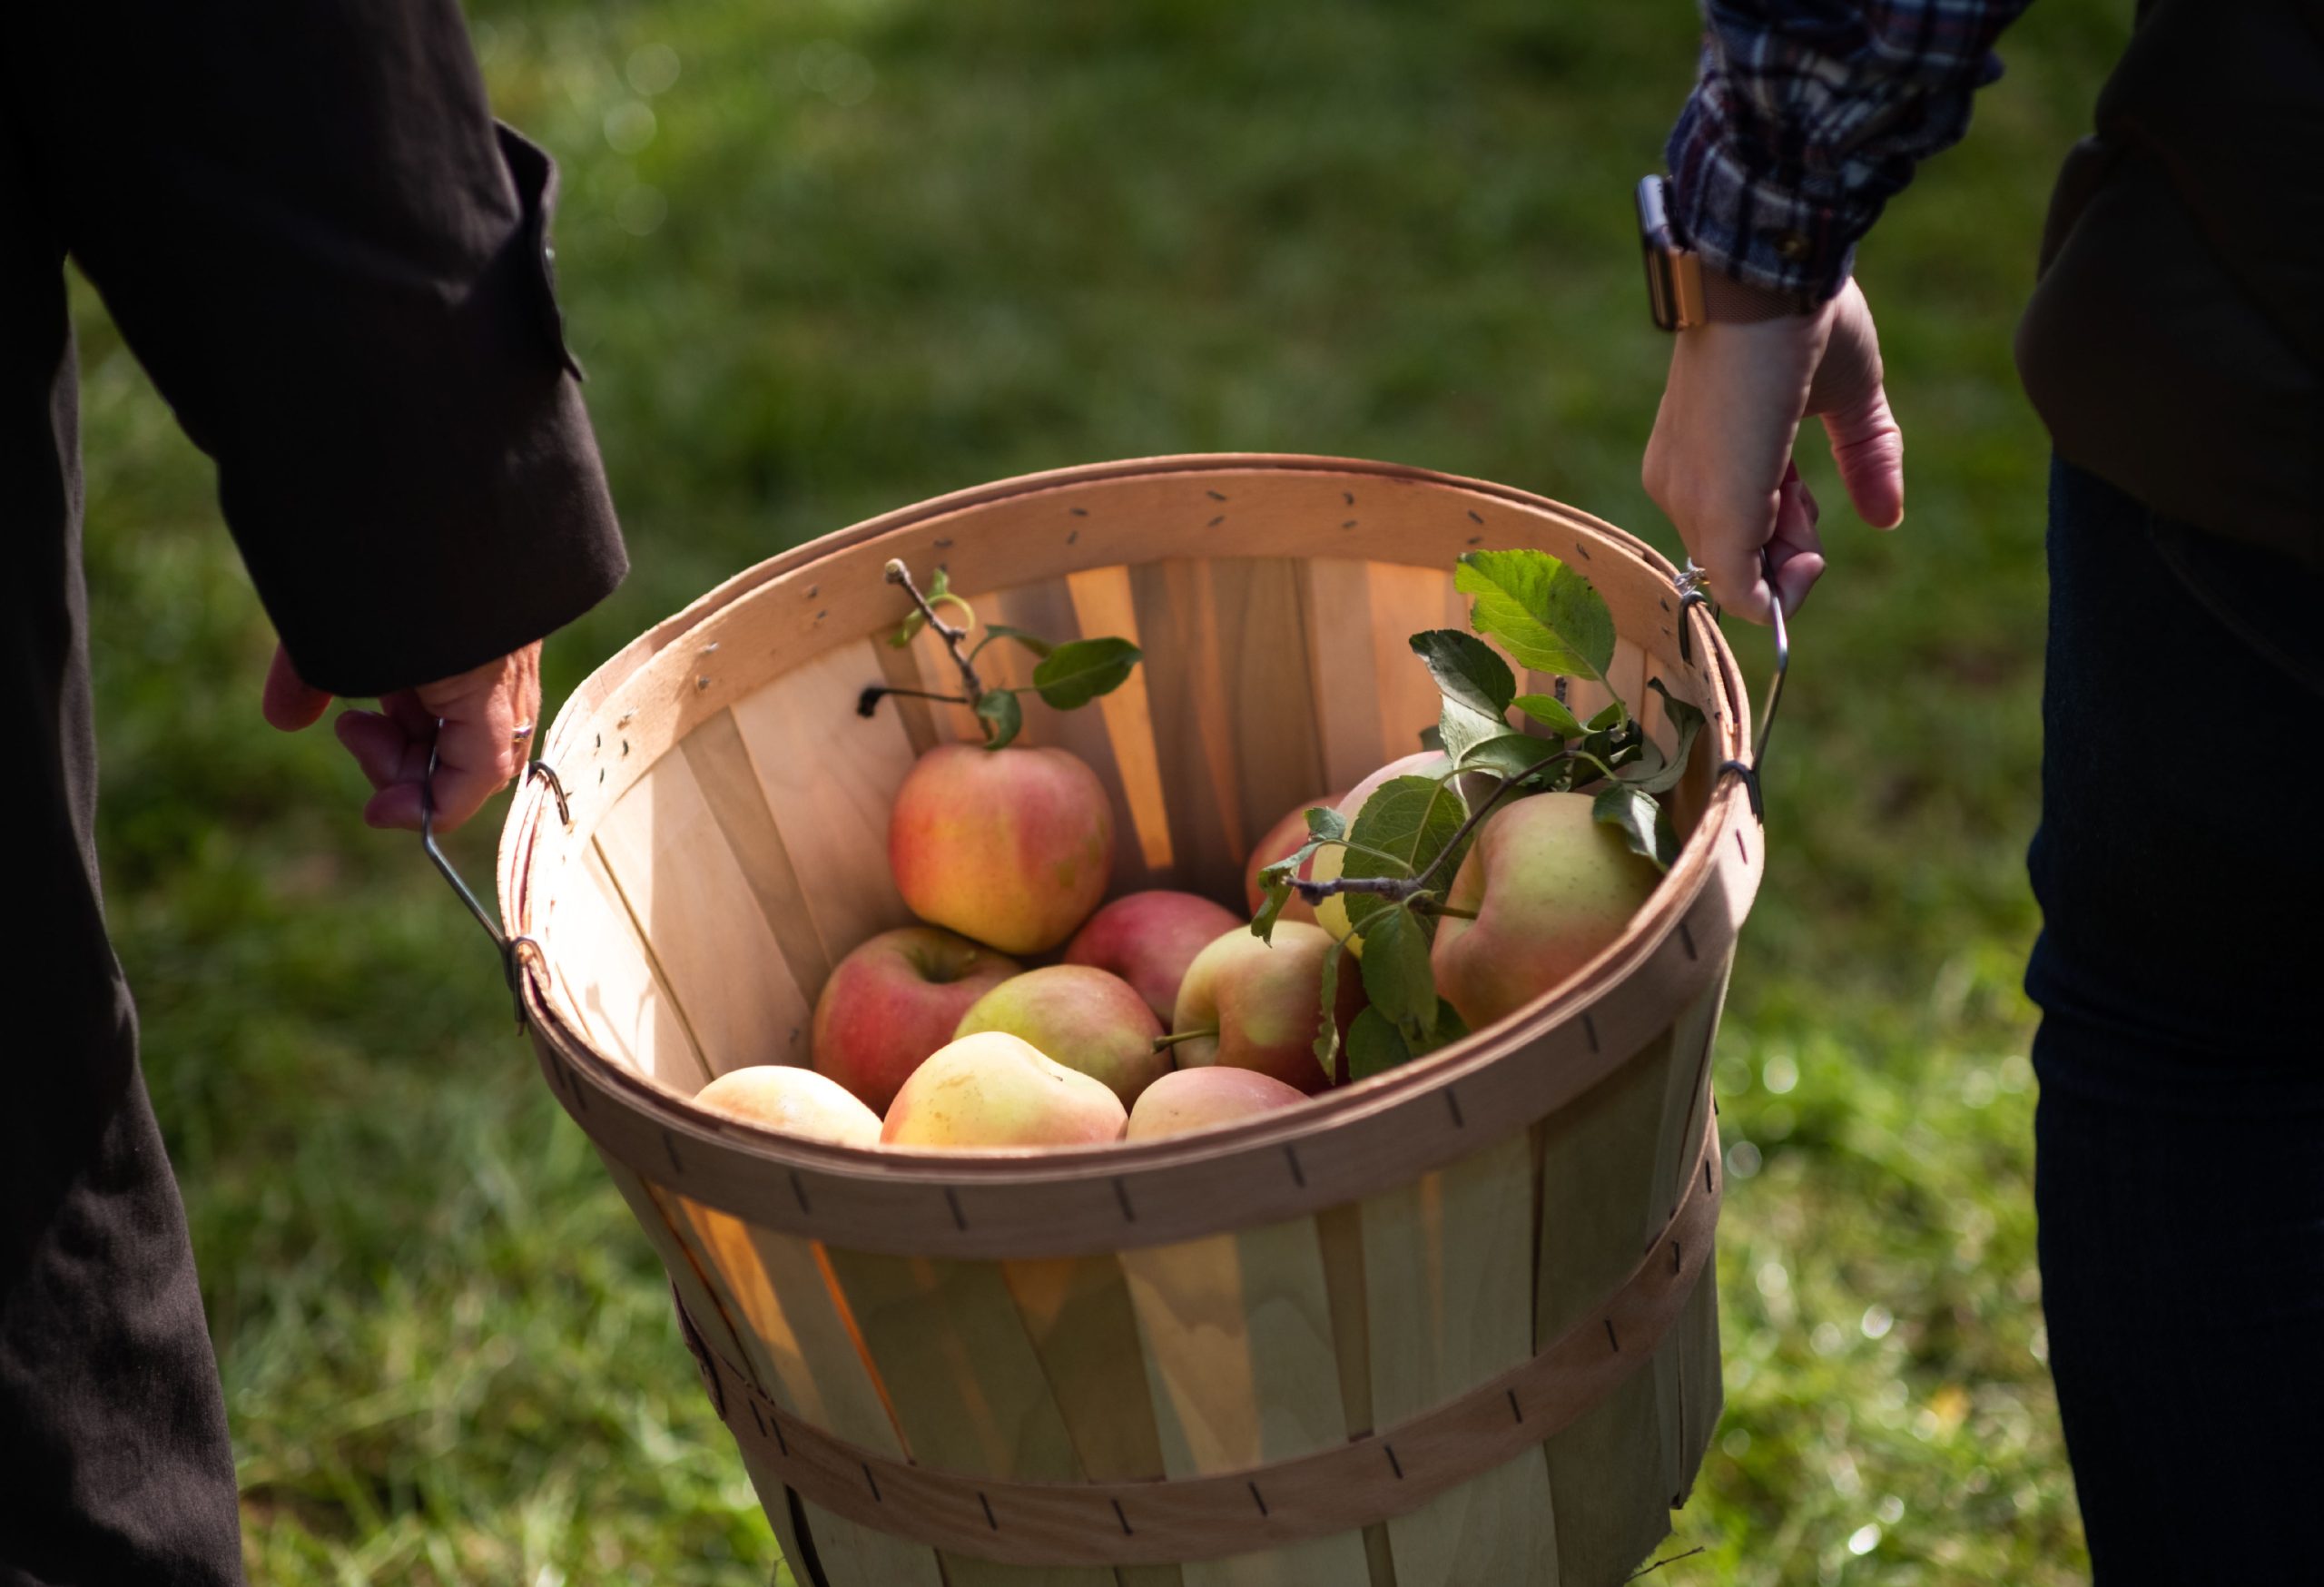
(830, 257)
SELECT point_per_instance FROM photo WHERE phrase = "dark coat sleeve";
(336, 268)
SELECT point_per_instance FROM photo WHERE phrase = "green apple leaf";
(1324, 826)
(1033, 642)
(1450, 1028)
(1467, 670)
(1644, 825)
(1373, 1046)
(1327, 1030)
(1654, 771)
(1545, 615)
(1002, 716)
(1271, 908)
(1511, 755)
(1476, 684)
(1079, 670)
(1397, 976)
(1551, 713)
(1404, 824)
(1611, 716)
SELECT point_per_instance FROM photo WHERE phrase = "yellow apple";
(793, 1101)
(995, 1089)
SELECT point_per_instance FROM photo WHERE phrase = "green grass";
(875, 250)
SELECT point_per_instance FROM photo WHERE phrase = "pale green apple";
(1550, 886)
(993, 1090)
(1080, 1017)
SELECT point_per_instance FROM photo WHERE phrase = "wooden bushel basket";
(1455, 1324)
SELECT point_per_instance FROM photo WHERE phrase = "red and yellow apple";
(894, 1000)
(1203, 1098)
(1550, 886)
(1012, 846)
(1080, 1017)
(794, 1101)
(995, 1089)
(1148, 939)
(1282, 842)
(1249, 1004)
(1329, 863)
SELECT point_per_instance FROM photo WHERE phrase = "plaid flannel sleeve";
(1809, 115)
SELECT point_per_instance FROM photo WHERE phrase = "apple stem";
(1164, 1043)
(897, 573)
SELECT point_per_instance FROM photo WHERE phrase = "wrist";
(1729, 302)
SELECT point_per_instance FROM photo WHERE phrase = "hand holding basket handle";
(442, 748)
(1720, 460)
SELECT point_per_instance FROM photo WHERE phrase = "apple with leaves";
(1080, 1017)
(1148, 939)
(1204, 1098)
(1011, 846)
(994, 1089)
(793, 1101)
(1549, 886)
(894, 1000)
(1330, 862)
(1453, 933)
(1257, 1003)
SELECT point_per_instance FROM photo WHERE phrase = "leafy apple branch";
(1065, 675)
(1412, 833)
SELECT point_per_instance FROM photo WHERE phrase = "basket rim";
(563, 1047)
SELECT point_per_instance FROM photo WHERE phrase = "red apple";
(1282, 842)
(1249, 1005)
(895, 999)
(1201, 1099)
(1332, 913)
(1551, 887)
(795, 1101)
(995, 1089)
(1080, 1017)
(1148, 939)
(1011, 846)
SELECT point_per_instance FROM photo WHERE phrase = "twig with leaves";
(1401, 852)
(1065, 675)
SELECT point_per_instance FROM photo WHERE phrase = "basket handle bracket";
(1691, 592)
(512, 949)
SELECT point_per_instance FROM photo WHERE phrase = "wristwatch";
(1679, 293)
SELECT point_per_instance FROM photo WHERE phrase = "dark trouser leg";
(113, 1461)
(114, 1469)
(2180, 1174)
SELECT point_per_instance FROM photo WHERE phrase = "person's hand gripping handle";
(478, 725)
(1720, 460)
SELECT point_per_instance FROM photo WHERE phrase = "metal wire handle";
(510, 949)
(1689, 583)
